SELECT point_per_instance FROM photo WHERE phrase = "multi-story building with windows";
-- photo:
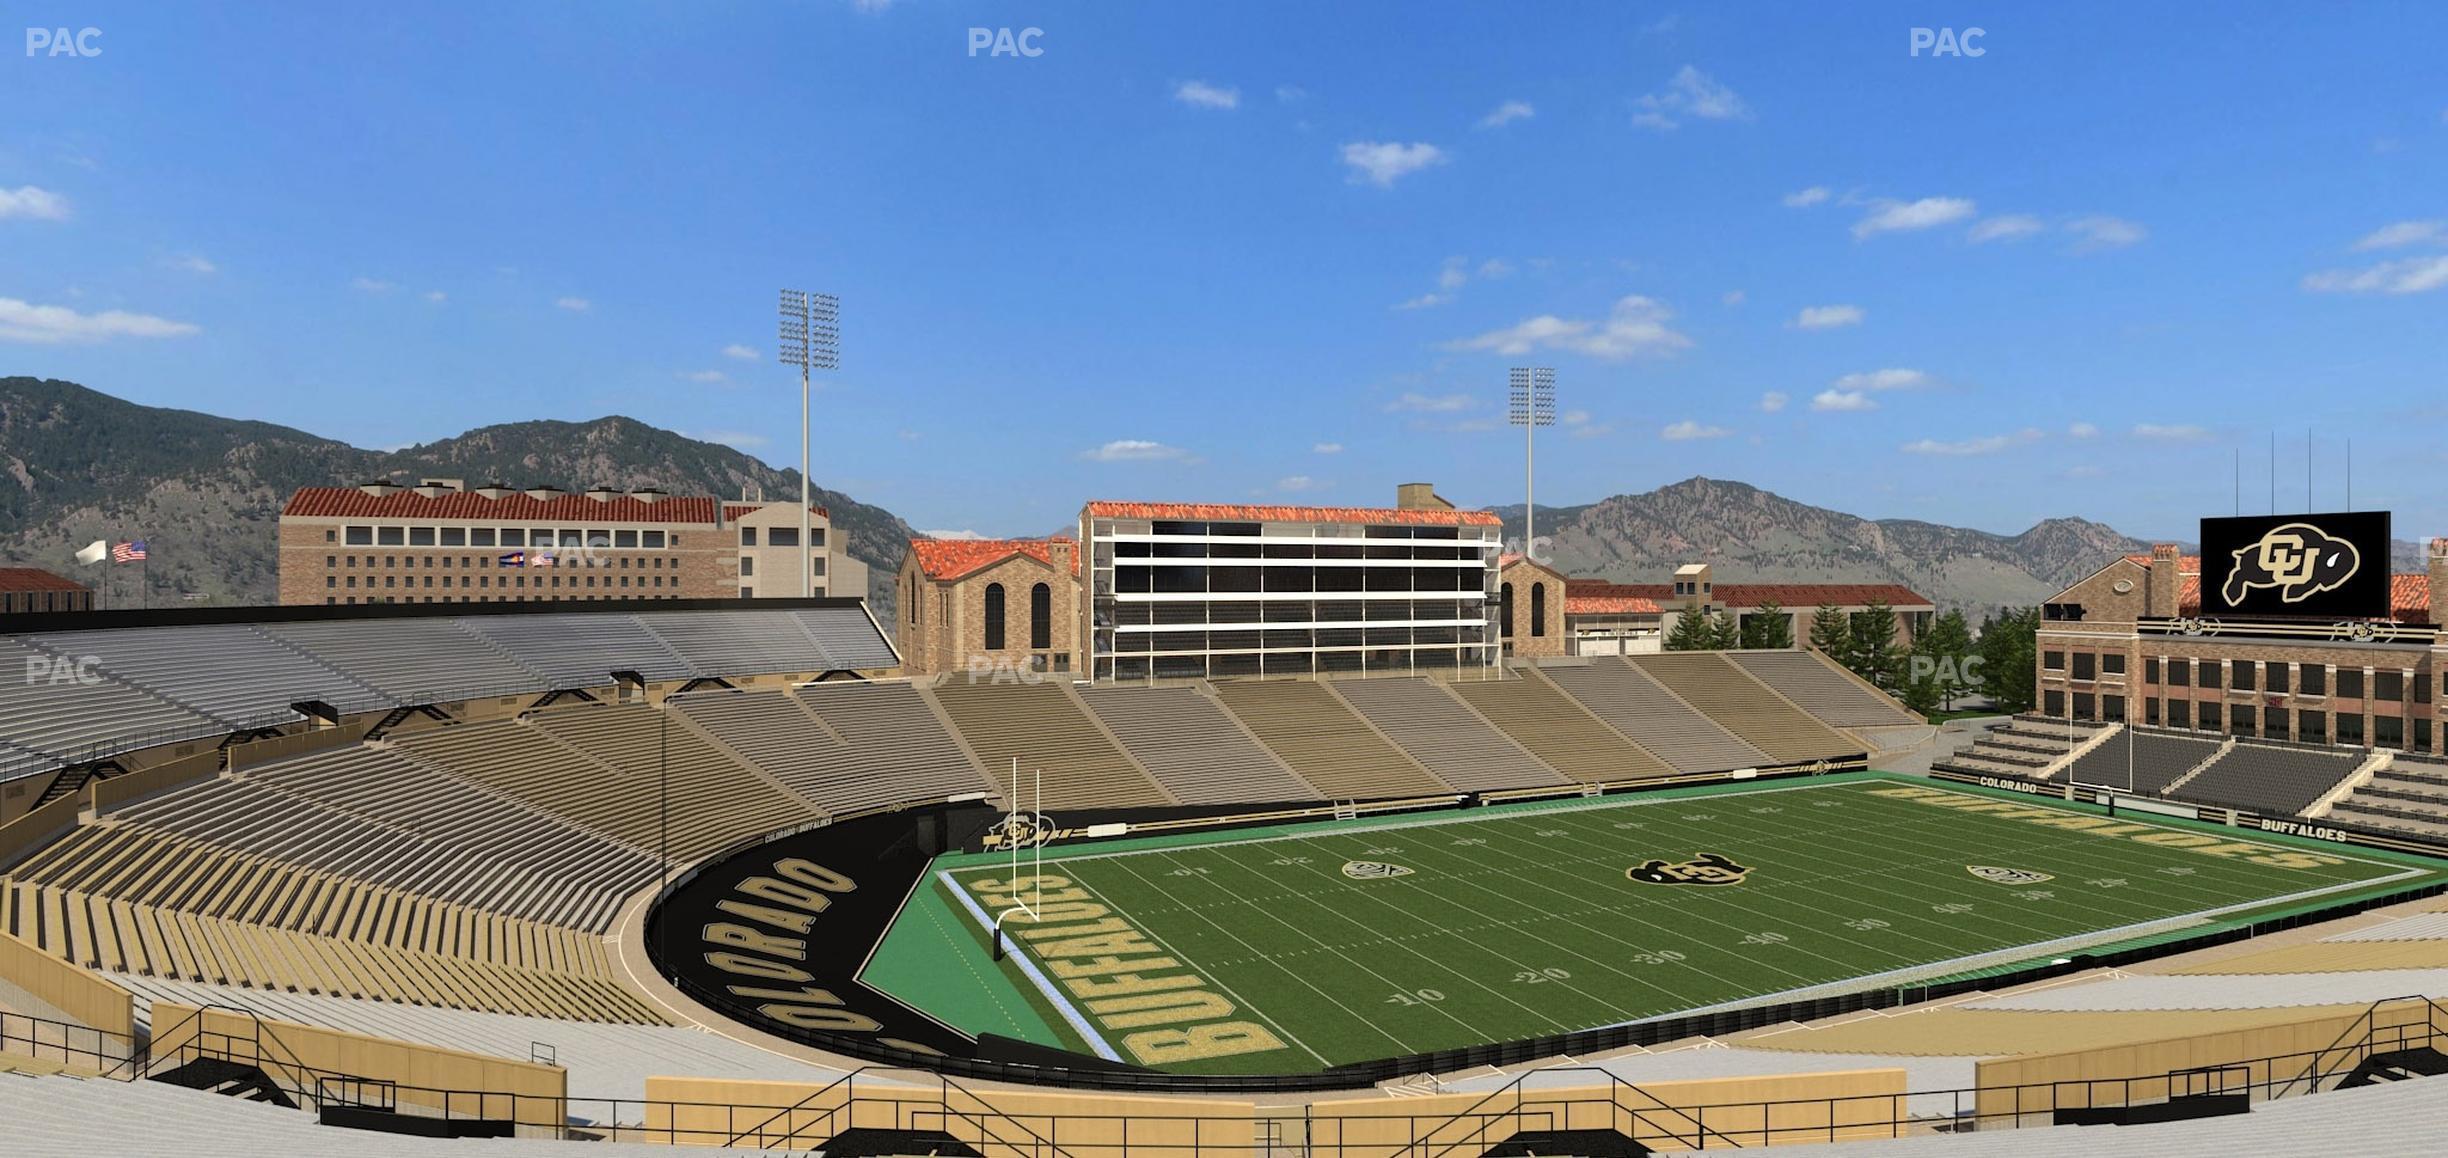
(2128, 644)
(32, 589)
(443, 542)
(1219, 590)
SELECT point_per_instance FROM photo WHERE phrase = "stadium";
(718, 873)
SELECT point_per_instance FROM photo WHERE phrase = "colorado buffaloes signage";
(1373, 870)
(2333, 566)
(1705, 868)
(2007, 876)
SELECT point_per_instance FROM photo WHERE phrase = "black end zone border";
(851, 877)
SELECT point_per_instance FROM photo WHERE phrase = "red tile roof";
(1261, 513)
(1599, 597)
(944, 560)
(1609, 604)
(352, 503)
(35, 579)
(2409, 597)
(734, 512)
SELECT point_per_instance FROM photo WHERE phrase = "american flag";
(129, 552)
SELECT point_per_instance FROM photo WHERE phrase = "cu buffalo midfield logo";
(1704, 868)
(2298, 559)
(1373, 870)
(2006, 876)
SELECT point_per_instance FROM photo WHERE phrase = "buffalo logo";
(1705, 868)
(2006, 876)
(2298, 559)
(1022, 830)
(1373, 870)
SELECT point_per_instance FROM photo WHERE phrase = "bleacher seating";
(848, 639)
(1641, 708)
(1559, 731)
(2267, 779)
(2157, 759)
(67, 718)
(895, 749)
(736, 641)
(2023, 746)
(713, 798)
(1193, 747)
(1044, 729)
(1445, 736)
(580, 650)
(2408, 796)
(1816, 685)
(1744, 706)
(412, 661)
(1325, 743)
(232, 672)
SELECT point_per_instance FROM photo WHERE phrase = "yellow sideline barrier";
(2037, 1083)
(254, 752)
(1009, 1123)
(21, 837)
(81, 994)
(1001, 1123)
(179, 773)
(420, 1071)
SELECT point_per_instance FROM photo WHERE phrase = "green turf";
(1521, 921)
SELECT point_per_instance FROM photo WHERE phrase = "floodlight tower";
(1533, 406)
(811, 340)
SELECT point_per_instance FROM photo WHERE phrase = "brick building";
(1605, 618)
(442, 542)
(2133, 631)
(989, 605)
(32, 589)
(1530, 603)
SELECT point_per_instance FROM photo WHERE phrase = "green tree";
(1767, 628)
(1923, 691)
(1875, 655)
(2008, 648)
(1724, 633)
(1945, 649)
(1691, 633)
(1832, 636)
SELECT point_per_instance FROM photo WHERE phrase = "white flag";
(94, 554)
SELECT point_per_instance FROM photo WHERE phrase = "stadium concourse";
(396, 863)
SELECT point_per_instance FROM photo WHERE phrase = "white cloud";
(2101, 231)
(961, 534)
(2404, 233)
(574, 305)
(1840, 401)
(1453, 275)
(436, 296)
(2007, 227)
(1381, 163)
(56, 325)
(1828, 317)
(1327, 448)
(1507, 113)
(1893, 378)
(1635, 326)
(373, 285)
(194, 263)
(1906, 216)
(1135, 450)
(1805, 198)
(707, 377)
(1298, 482)
(1688, 430)
(1424, 301)
(1691, 94)
(1774, 401)
(1288, 93)
(1202, 95)
(1972, 446)
(2181, 432)
(1733, 297)
(2411, 275)
(1495, 267)
(872, 6)
(1417, 403)
(740, 352)
(2083, 430)
(1578, 424)
(33, 204)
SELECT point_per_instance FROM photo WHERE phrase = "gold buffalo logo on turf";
(1373, 870)
(1704, 868)
(2006, 876)
(2298, 559)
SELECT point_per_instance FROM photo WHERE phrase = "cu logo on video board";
(2333, 565)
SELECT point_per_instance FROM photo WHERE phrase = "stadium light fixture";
(1532, 406)
(810, 340)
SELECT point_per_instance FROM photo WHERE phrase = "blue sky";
(1279, 251)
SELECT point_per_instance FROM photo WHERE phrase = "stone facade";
(1532, 597)
(945, 600)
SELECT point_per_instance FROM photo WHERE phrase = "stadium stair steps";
(229, 1079)
(2396, 1066)
(1310, 729)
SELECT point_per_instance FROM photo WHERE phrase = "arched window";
(1041, 616)
(1538, 609)
(1504, 605)
(994, 617)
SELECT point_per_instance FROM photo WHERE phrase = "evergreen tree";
(1875, 655)
(1767, 629)
(1691, 633)
(1724, 633)
(1832, 636)
(1947, 646)
(2008, 648)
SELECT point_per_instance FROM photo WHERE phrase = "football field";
(1303, 947)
